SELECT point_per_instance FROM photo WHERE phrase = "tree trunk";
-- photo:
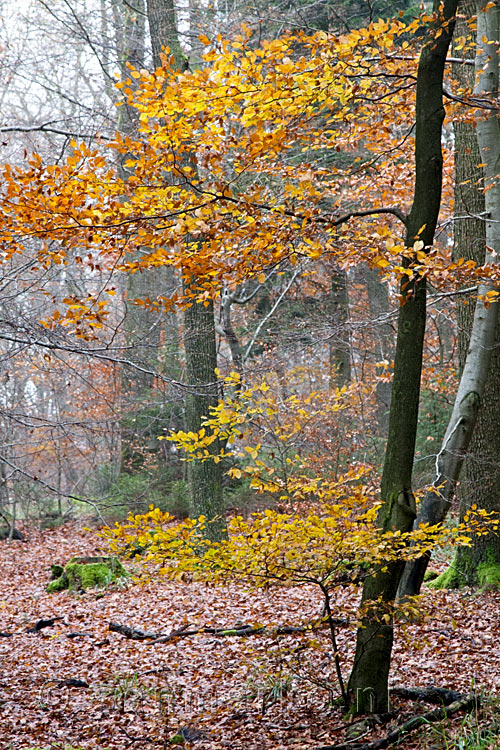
(153, 335)
(164, 33)
(339, 344)
(378, 301)
(205, 477)
(479, 564)
(471, 389)
(368, 683)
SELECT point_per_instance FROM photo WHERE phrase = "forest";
(249, 346)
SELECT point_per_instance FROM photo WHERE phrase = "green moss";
(57, 571)
(488, 574)
(463, 573)
(177, 739)
(450, 579)
(60, 584)
(430, 575)
(88, 576)
(85, 573)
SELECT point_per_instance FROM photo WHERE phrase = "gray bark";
(339, 345)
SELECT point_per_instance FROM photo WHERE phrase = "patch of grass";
(477, 731)
(127, 692)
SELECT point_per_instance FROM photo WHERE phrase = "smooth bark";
(470, 393)
(368, 683)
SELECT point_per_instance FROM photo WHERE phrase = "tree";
(204, 478)
(226, 184)
(473, 379)
(368, 683)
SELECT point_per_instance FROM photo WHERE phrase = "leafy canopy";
(261, 157)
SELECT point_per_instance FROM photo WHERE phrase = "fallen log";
(429, 694)
(465, 703)
(237, 630)
(41, 624)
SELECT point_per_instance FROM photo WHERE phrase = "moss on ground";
(82, 573)
(430, 575)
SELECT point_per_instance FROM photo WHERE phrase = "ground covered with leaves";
(75, 683)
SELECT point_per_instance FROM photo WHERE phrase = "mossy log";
(82, 573)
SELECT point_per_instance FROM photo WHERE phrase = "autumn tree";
(483, 333)
(227, 182)
(368, 683)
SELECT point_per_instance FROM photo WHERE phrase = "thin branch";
(107, 358)
(56, 131)
(472, 101)
(332, 220)
(236, 630)
(17, 469)
(269, 314)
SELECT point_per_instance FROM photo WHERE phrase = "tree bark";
(479, 564)
(204, 476)
(471, 389)
(378, 301)
(164, 33)
(339, 345)
(152, 335)
(368, 683)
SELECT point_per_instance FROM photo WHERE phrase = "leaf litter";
(76, 684)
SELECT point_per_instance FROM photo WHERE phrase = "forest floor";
(255, 693)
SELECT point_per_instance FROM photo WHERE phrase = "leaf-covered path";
(78, 684)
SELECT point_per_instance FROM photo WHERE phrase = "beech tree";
(368, 683)
(225, 184)
(479, 485)
(483, 333)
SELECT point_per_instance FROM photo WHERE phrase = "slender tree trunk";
(378, 300)
(230, 335)
(339, 345)
(368, 683)
(205, 477)
(470, 394)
